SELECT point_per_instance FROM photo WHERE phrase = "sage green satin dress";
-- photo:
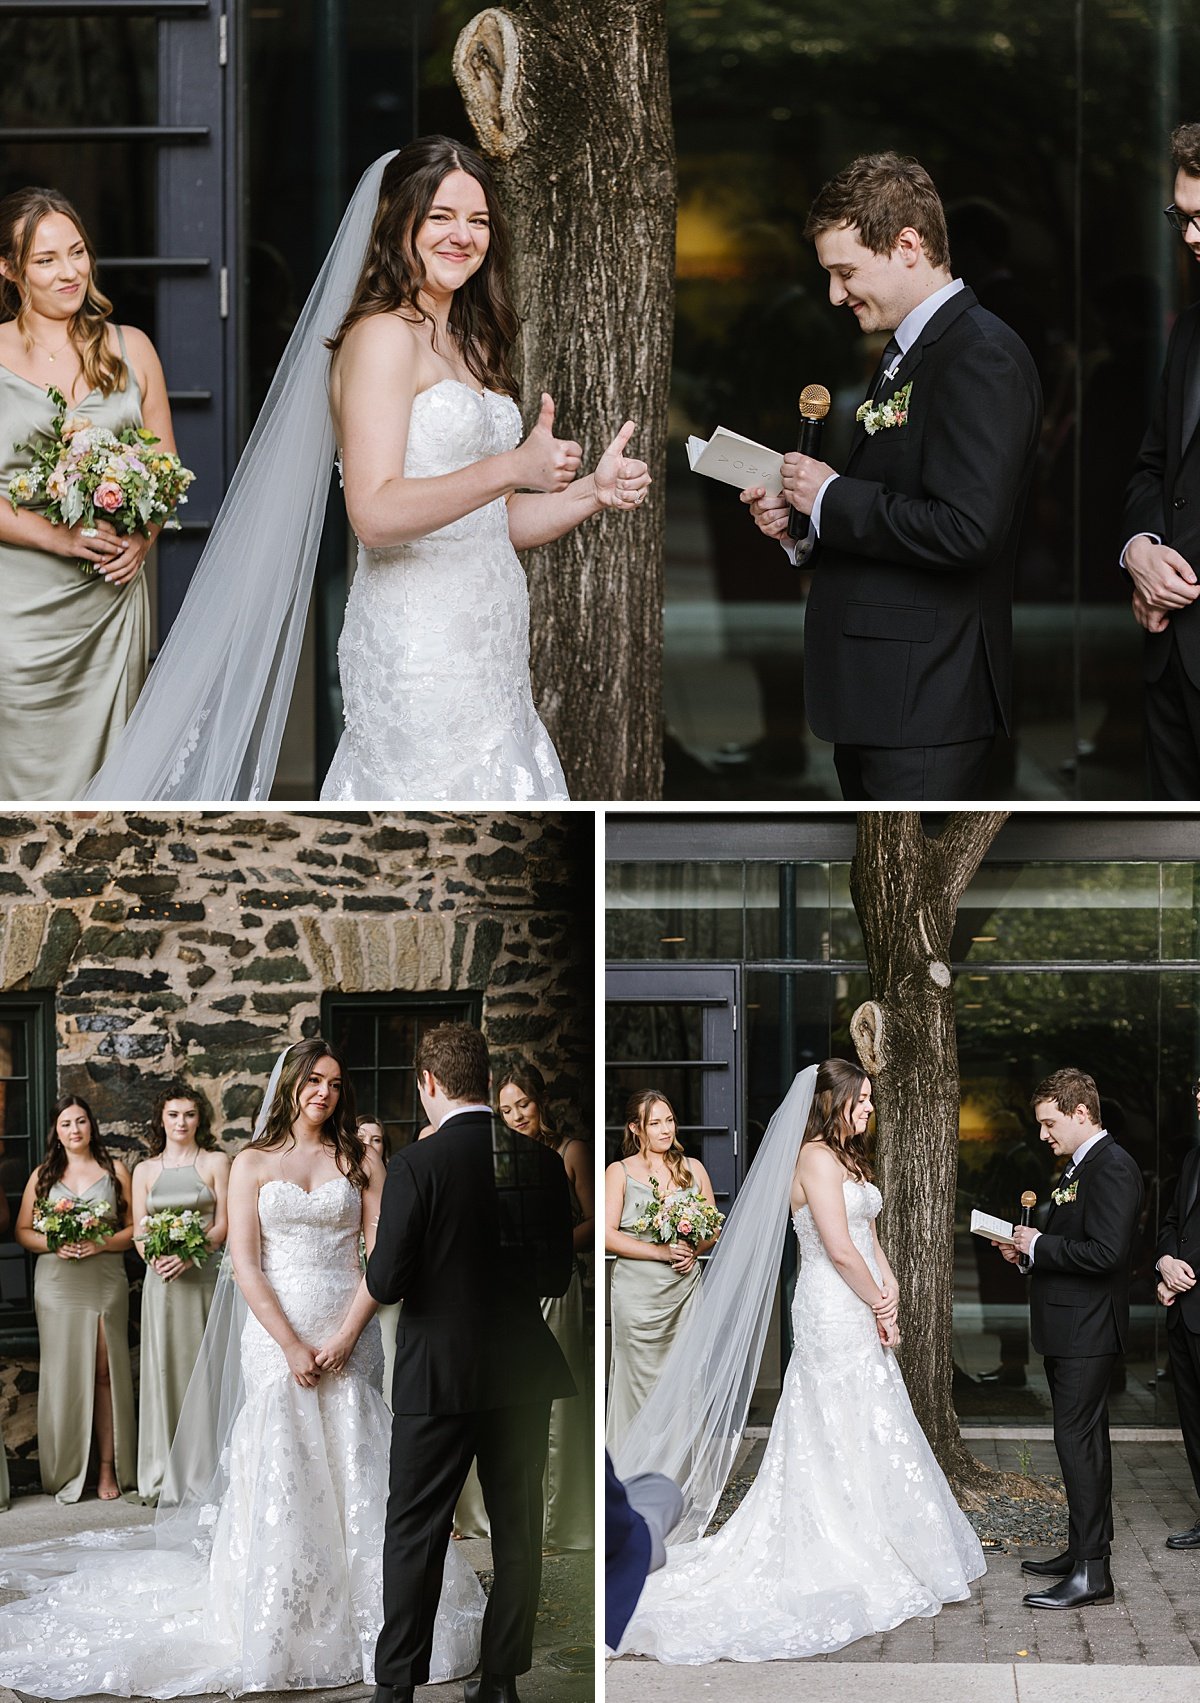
(73, 649)
(173, 1319)
(647, 1302)
(568, 1486)
(70, 1298)
(4, 1490)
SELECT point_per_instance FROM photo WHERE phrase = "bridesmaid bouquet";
(181, 1233)
(684, 1216)
(65, 1221)
(86, 473)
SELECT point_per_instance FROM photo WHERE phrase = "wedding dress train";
(280, 1588)
(849, 1527)
(434, 651)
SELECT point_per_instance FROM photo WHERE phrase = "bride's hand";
(302, 1363)
(889, 1332)
(619, 481)
(544, 462)
(333, 1355)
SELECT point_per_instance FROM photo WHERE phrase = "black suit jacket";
(1079, 1285)
(1164, 492)
(908, 632)
(474, 1229)
(1180, 1237)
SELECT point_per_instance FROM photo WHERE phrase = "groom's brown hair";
(883, 194)
(1067, 1089)
(456, 1056)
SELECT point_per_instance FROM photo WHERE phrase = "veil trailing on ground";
(210, 719)
(692, 1423)
(197, 1471)
(197, 1466)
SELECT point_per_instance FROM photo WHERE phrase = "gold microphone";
(815, 402)
(1028, 1202)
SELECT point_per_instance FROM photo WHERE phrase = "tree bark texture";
(906, 887)
(571, 105)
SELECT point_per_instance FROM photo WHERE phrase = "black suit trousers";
(919, 772)
(1079, 1395)
(1172, 731)
(1183, 1347)
(431, 1456)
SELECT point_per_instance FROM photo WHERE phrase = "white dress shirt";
(905, 335)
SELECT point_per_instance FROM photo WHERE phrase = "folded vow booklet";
(736, 461)
(995, 1229)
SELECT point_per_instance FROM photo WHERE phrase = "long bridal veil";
(209, 721)
(692, 1423)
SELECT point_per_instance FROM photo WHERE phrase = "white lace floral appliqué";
(434, 650)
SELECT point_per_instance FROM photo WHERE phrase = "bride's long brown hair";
(20, 215)
(483, 322)
(835, 1094)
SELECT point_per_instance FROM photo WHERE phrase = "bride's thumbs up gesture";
(620, 481)
(547, 463)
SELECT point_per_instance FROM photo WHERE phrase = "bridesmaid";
(73, 647)
(521, 1098)
(652, 1282)
(373, 1135)
(81, 1298)
(186, 1169)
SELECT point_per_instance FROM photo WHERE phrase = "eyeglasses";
(1181, 220)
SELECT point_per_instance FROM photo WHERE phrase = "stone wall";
(197, 944)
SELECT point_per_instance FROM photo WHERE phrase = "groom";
(474, 1228)
(1079, 1314)
(912, 547)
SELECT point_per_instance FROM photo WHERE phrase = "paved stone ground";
(563, 1639)
(1143, 1648)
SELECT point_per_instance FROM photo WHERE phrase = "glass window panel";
(14, 1109)
(14, 1281)
(787, 910)
(12, 1049)
(1058, 912)
(668, 1031)
(397, 1037)
(1180, 885)
(673, 911)
(683, 1089)
(1122, 1027)
(846, 939)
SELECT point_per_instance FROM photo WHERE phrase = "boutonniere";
(1064, 1197)
(878, 416)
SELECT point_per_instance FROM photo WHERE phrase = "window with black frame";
(377, 1034)
(26, 1095)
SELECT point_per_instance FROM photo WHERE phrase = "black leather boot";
(491, 1688)
(1091, 1581)
(1057, 1567)
(1189, 1539)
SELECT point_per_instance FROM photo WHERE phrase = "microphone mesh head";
(815, 402)
(1029, 1198)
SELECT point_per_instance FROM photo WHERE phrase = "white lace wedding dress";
(434, 651)
(849, 1527)
(290, 1596)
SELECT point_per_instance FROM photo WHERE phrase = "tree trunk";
(570, 102)
(906, 888)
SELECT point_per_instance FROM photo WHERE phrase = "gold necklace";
(50, 357)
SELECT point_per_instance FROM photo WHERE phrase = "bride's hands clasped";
(303, 1365)
(333, 1355)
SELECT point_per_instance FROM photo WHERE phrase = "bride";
(849, 1527)
(440, 490)
(265, 1574)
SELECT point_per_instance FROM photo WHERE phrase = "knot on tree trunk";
(487, 69)
(939, 973)
(866, 1031)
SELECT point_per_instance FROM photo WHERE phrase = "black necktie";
(889, 355)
